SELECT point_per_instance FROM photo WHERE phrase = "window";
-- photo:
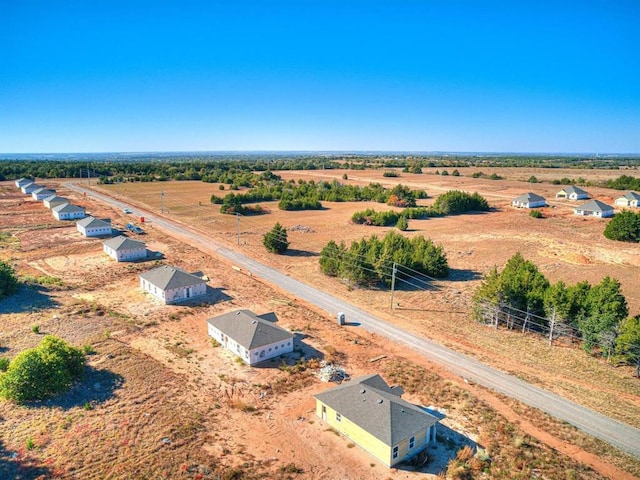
(338, 417)
(395, 452)
(276, 347)
(288, 343)
(412, 442)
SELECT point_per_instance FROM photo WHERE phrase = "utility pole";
(161, 202)
(88, 175)
(238, 226)
(553, 324)
(393, 282)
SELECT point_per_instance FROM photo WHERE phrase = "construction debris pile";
(329, 372)
(301, 228)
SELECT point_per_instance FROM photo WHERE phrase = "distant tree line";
(370, 261)
(520, 297)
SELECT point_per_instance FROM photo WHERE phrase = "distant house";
(572, 193)
(42, 193)
(594, 208)
(372, 415)
(21, 182)
(631, 199)
(94, 227)
(67, 211)
(123, 249)
(250, 336)
(27, 188)
(172, 285)
(53, 200)
(529, 200)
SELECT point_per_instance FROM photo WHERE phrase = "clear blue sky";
(499, 76)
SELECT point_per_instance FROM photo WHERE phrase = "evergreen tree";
(628, 342)
(8, 280)
(275, 240)
(402, 224)
(624, 227)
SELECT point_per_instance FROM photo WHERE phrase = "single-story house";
(94, 227)
(123, 249)
(529, 200)
(572, 193)
(172, 285)
(249, 336)
(374, 416)
(594, 208)
(27, 188)
(21, 182)
(42, 193)
(53, 200)
(631, 199)
(67, 211)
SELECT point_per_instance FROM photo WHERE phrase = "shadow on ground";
(27, 299)
(19, 465)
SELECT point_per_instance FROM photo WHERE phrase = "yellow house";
(372, 414)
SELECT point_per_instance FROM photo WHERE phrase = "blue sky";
(516, 76)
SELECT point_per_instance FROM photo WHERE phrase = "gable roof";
(92, 222)
(248, 329)
(371, 404)
(595, 206)
(529, 197)
(67, 207)
(56, 199)
(42, 191)
(631, 196)
(573, 189)
(23, 181)
(165, 277)
(123, 243)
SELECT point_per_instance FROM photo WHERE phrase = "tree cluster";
(42, 372)
(624, 182)
(455, 202)
(624, 227)
(8, 279)
(370, 260)
(521, 297)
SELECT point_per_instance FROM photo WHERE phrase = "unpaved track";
(623, 436)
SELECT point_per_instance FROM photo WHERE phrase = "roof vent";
(254, 321)
(362, 391)
(379, 401)
(238, 312)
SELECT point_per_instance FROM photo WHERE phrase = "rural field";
(160, 401)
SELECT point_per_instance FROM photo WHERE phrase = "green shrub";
(8, 279)
(275, 240)
(624, 227)
(42, 372)
(536, 214)
(455, 202)
(4, 364)
(402, 224)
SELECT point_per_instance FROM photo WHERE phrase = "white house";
(249, 336)
(42, 193)
(123, 249)
(21, 182)
(54, 200)
(572, 193)
(631, 199)
(93, 227)
(27, 188)
(594, 208)
(529, 200)
(172, 285)
(67, 211)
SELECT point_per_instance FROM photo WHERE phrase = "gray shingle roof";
(632, 196)
(595, 206)
(248, 329)
(56, 199)
(123, 243)
(92, 222)
(369, 403)
(67, 207)
(43, 191)
(166, 277)
(573, 189)
(529, 197)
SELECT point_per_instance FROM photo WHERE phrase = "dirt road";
(623, 436)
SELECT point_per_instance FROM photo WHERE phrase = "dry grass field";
(159, 401)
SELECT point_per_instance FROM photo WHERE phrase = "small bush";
(536, 214)
(4, 364)
(88, 349)
(30, 444)
(390, 174)
(35, 329)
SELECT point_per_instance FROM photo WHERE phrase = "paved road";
(616, 433)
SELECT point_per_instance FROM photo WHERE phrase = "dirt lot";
(160, 401)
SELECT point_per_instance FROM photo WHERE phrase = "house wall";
(68, 215)
(272, 350)
(94, 231)
(125, 255)
(174, 295)
(51, 205)
(153, 290)
(375, 447)
(622, 202)
(528, 205)
(589, 213)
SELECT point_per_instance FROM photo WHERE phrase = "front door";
(324, 413)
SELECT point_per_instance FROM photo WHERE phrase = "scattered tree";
(628, 342)
(624, 227)
(275, 240)
(42, 372)
(8, 280)
(402, 224)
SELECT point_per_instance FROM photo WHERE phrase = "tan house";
(172, 284)
(54, 200)
(572, 193)
(631, 199)
(372, 415)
